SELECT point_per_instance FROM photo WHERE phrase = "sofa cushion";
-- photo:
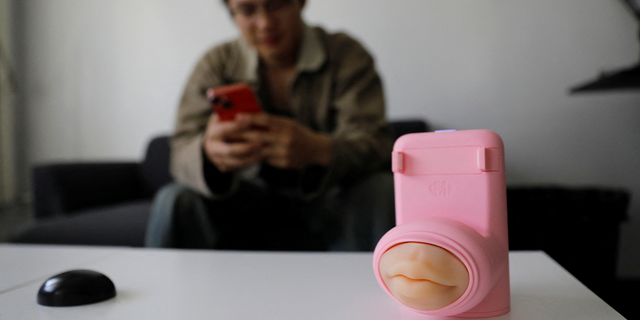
(121, 225)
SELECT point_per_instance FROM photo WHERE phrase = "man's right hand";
(225, 148)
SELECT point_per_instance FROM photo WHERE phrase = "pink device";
(449, 253)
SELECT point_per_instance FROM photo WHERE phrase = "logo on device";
(441, 189)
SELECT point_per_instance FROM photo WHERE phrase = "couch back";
(154, 169)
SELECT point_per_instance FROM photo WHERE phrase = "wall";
(102, 77)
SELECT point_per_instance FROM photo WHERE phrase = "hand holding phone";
(225, 147)
(279, 141)
(223, 141)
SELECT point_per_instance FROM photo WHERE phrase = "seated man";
(312, 180)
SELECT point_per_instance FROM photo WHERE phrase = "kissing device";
(449, 253)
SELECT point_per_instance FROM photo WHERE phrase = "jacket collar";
(312, 52)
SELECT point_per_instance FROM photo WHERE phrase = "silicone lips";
(423, 276)
(415, 280)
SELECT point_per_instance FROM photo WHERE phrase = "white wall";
(102, 77)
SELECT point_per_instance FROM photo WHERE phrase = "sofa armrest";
(70, 187)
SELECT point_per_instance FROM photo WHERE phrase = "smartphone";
(228, 101)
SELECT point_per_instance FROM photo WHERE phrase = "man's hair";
(226, 2)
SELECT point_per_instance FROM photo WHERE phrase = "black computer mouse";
(75, 288)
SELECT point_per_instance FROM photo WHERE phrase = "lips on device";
(449, 253)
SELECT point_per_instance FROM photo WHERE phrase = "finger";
(210, 93)
(240, 163)
(234, 164)
(241, 150)
(278, 162)
(225, 129)
(261, 137)
(213, 120)
(272, 152)
(238, 155)
(229, 157)
(233, 150)
(261, 120)
(277, 156)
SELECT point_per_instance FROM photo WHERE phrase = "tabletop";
(193, 284)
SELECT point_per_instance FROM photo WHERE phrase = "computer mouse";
(75, 288)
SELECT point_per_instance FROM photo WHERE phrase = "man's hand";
(225, 146)
(286, 143)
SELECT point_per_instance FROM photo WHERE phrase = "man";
(293, 184)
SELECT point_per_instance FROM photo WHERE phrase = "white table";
(171, 284)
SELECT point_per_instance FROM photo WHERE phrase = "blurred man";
(309, 178)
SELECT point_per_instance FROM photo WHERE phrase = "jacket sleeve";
(188, 163)
(361, 138)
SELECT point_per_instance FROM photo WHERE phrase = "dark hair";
(226, 2)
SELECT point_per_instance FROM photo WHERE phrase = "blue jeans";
(345, 218)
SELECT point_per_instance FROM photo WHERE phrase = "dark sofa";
(96, 203)
(109, 203)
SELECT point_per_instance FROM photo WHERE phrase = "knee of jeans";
(175, 196)
(187, 198)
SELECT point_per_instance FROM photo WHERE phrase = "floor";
(624, 299)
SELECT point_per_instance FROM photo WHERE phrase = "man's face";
(273, 27)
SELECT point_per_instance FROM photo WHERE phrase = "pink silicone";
(450, 192)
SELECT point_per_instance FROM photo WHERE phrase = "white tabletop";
(172, 284)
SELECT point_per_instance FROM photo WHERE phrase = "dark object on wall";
(109, 203)
(578, 227)
(628, 78)
(616, 80)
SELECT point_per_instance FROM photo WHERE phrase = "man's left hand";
(287, 144)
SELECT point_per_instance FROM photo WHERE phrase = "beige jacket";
(336, 91)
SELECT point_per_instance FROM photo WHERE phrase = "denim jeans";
(345, 218)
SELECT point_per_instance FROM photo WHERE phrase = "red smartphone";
(227, 101)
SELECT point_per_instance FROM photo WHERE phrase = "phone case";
(450, 192)
(227, 101)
